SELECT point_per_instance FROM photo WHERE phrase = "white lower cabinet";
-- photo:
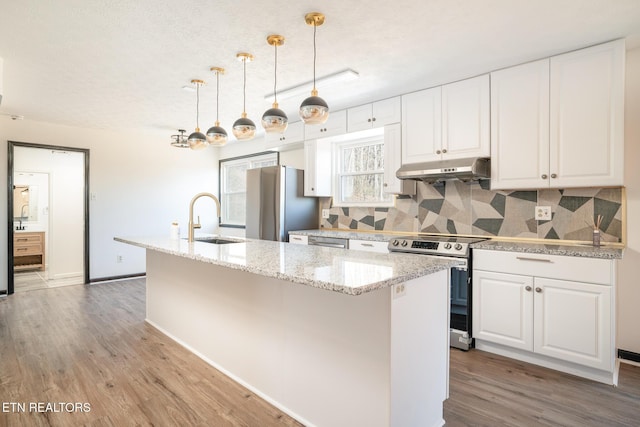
(546, 309)
(369, 246)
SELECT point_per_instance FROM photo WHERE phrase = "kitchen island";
(330, 336)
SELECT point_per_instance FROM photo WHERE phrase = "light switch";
(325, 213)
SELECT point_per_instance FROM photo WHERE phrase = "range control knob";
(395, 242)
(458, 246)
(404, 243)
(447, 245)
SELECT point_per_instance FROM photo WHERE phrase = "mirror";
(25, 202)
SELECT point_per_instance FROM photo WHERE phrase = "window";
(233, 185)
(359, 166)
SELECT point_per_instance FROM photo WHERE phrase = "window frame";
(248, 158)
(366, 138)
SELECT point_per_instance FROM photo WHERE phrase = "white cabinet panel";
(392, 158)
(465, 118)
(317, 168)
(573, 322)
(293, 135)
(503, 309)
(378, 114)
(587, 116)
(520, 126)
(336, 124)
(298, 239)
(369, 246)
(421, 125)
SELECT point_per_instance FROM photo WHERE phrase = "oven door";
(460, 316)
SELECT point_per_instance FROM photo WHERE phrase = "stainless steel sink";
(216, 240)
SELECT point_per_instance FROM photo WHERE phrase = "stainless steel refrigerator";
(276, 203)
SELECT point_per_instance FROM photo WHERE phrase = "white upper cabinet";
(587, 116)
(378, 114)
(336, 124)
(293, 135)
(392, 158)
(317, 168)
(446, 122)
(558, 122)
(520, 126)
(421, 125)
(465, 118)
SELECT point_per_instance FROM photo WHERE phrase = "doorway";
(48, 205)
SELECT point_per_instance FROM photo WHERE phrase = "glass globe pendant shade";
(274, 120)
(216, 135)
(197, 140)
(314, 110)
(244, 128)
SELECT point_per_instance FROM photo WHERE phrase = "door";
(503, 309)
(422, 126)
(573, 322)
(62, 214)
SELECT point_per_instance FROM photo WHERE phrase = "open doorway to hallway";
(48, 237)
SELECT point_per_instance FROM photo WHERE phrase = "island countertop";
(338, 270)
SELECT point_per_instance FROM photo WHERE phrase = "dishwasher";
(332, 242)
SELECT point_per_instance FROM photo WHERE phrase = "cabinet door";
(359, 118)
(520, 126)
(392, 158)
(422, 126)
(293, 135)
(336, 124)
(465, 118)
(503, 309)
(317, 168)
(587, 117)
(386, 112)
(573, 322)
(369, 246)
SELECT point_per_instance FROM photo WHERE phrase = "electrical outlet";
(325, 213)
(119, 258)
(399, 290)
(543, 213)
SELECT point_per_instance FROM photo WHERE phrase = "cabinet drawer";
(367, 245)
(27, 249)
(24, 238)
(578, 269)
(298, 239)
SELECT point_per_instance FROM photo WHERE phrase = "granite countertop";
(585, 250)
(348, 234)
(338, 270)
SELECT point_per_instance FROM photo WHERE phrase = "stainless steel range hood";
(464, 169)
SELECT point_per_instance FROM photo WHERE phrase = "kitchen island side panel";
(323, 357)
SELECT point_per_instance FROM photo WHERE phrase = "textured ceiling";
(122, 64)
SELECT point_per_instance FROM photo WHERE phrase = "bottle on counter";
(175, 231)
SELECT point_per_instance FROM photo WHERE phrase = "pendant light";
(197, 140)
(274, 119)
(244, 129)
(314, 110)
(179, 141)
(216, 135)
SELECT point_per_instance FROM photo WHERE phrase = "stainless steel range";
(460, 277)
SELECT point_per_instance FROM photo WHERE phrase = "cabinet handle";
(21, 249)
(313, 189)
(528, 288)
(295, 238)
(385, 184)
(374, 119)
(438, 152)
(444, 150)
(544, 176)
(369, 120)
(523, 258)
(553, 175)
(539, 290)
(368, 245)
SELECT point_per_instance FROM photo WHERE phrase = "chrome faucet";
(193, 226)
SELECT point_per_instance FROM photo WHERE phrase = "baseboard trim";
(629, 355)
(114, 278)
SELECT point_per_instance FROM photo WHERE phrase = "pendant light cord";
(244, 86)
(198, 106)
(275, 77)
(315, 26)
(217, 94)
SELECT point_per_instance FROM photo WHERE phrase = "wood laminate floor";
(89, 344)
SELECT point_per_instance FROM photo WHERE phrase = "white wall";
(141, 184)
(629, 267)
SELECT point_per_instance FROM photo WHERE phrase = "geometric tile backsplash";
(456, 207)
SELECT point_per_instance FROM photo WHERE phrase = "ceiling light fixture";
(244, 129)
(216, 135)
(197, 140)
(343, 76)
(179, 141)
(274, 119)
(314, 110)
